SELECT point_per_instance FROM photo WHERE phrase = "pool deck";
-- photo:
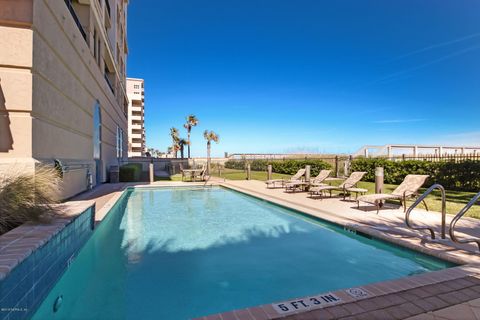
(452, 293)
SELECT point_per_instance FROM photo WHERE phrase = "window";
(119, 142)
(96, 46)
(99, 50)
(97, 132)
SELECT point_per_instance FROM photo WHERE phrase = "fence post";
(336, 166)
(249, 173)
(269, 172)
(348, 165)
(307, 176)
(150, 172)
(378, 179)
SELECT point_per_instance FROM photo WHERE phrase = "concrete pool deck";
(452, 293)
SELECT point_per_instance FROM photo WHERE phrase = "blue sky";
(308, 75)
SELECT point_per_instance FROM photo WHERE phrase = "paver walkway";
(466, 311)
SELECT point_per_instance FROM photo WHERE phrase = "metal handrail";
(458, 216)
(420, 199)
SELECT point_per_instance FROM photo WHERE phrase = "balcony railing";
(75, 18)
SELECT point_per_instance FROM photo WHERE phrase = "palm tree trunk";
(181, 152)
(188, 146)
(208, 157)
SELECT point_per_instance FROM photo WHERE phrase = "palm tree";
(175, 139)
(210, 136)
(192, 121)
(150, 151)
(176, 148)
(182, 142)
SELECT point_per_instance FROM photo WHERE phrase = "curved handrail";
(458, 216)
(420, 199)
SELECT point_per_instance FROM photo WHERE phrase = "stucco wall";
(49, 85)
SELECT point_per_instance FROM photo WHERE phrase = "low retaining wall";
(171, 165)
(33, 257)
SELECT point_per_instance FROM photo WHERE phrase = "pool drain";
(58, 303)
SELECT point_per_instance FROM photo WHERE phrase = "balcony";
(136, 126)
(136, 108)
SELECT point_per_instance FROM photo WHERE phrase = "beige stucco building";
(63, 87)
(136, 117)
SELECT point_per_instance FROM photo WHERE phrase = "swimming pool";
(178, 253)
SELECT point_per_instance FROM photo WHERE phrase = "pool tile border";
(33, 256)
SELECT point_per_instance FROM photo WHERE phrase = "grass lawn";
(456, 200)
(176, 177)
(233, 174)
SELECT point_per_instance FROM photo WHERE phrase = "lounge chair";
(407, 189)
(317, 181)
(296, 177)
(348, 186)
(182, 171)
(200, 173)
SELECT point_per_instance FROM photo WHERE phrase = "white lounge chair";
(349, 185)
(317, 181)
(407, 189)
(275, 182)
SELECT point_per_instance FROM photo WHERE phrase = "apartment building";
(136, 117)
(63, 87)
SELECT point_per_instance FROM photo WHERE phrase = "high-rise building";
(136, 117)
(63, 87)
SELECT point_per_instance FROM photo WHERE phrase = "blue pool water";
(178, 253)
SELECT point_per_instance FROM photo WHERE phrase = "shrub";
(279, 166)
(28, 197)
(131, 172)
(462, 176)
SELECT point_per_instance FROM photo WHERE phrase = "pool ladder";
(454, 221)
(422, 198)
(458, 217)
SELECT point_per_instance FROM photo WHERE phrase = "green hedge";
(131, 172)
(279, 166)
(462, 176)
